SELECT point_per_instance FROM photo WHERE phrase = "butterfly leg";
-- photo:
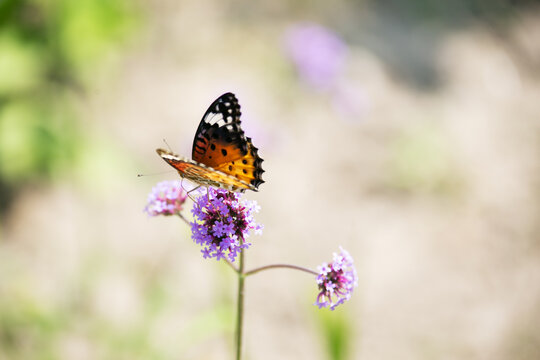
(195, 188)
(188, 191)
(183, 188)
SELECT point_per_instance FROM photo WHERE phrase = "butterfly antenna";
(153, 174)
(165, 141)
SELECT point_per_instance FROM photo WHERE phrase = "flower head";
(166, 198)
(317, 52)
(336, 280)
(222, 223)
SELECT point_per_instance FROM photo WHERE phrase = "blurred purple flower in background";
(317, 52)
(166, 198)
(319, 56)
(336, 280)
(222, 223)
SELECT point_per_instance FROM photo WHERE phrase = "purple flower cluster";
(166, 198)
(317, 52)
(336, 281)
(222, 223)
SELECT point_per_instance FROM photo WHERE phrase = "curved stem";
(274, 266)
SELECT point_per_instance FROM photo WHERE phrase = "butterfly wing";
(220, 143)
(202, 174)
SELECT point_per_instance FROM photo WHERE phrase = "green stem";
(240, 299)
(184, 219)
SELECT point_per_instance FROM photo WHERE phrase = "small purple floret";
(222, 223)
(166, 198)
(336, 281)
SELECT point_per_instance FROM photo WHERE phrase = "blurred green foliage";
(336, 330)
(68, 323)
(49, 52)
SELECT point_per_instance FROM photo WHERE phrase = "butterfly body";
(222, 155)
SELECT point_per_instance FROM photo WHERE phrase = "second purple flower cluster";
(336, 280)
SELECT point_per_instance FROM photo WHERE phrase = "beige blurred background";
(419, 155)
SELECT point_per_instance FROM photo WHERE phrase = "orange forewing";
(202, 174)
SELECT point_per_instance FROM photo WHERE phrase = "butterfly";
(222, 155)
